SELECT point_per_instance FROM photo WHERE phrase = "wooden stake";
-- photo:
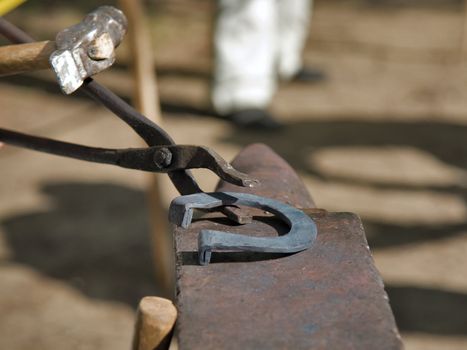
(463, 38)
(146, 94)
(147, 101)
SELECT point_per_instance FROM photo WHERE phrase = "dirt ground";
(384, 136)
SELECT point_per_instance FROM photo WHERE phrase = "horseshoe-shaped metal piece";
(301, 236)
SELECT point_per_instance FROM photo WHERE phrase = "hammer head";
(88, 47)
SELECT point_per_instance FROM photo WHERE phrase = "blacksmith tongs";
(162, 155)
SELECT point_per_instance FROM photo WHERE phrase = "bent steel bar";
(300, 237)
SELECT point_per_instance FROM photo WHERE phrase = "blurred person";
(257, 42)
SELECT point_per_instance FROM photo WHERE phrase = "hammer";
(77, 53)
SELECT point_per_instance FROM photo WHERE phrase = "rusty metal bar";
(328, 297)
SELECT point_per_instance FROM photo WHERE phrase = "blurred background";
(383, 136)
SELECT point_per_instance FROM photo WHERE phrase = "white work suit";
(256, 42)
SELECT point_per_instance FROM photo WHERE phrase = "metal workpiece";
(329, 296)
(302, 230)
(88, 47)
(260, 162)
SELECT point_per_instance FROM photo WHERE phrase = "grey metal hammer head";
(88, 47)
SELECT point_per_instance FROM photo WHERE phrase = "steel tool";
(163, 155)
(78, 52)
(161, 159)
(300, 237)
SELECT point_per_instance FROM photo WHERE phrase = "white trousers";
(256, 42)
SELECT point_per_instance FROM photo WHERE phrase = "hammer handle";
(25, 57)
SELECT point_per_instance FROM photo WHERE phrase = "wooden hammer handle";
(25, 57)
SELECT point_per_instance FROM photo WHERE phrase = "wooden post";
(463, 38)
(155, 316)
(147, 102)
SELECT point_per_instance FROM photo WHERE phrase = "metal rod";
(149, 131)
(91, 154)
(13, 33)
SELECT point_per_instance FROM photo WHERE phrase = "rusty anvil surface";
(328, 297)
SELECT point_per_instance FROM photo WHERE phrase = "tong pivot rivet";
(162, 158)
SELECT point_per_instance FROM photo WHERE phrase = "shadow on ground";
(429, 310)
(443, 140)
(171, 108)
(95, 237)
(301, 138)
